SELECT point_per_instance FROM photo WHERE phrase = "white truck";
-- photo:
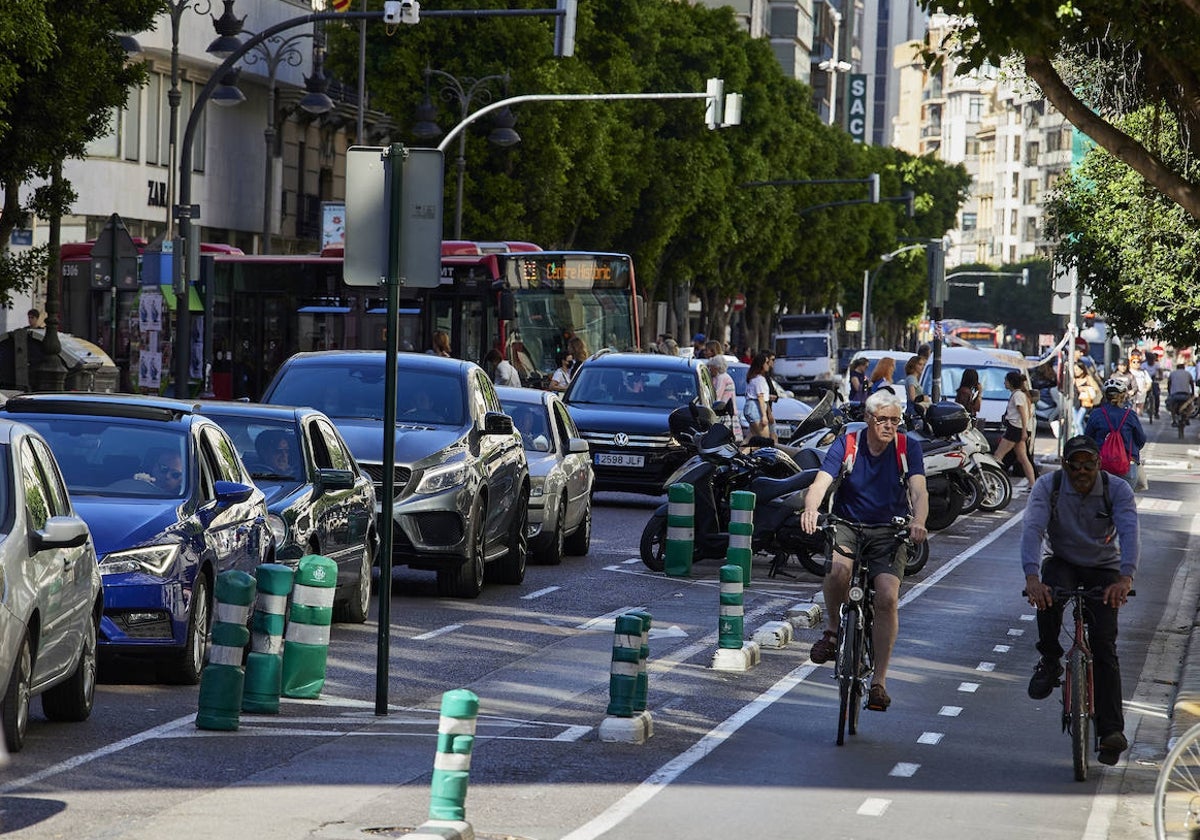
(806, 352)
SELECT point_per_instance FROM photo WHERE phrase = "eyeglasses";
(284, 450)
(886, 421)
(169, 471)
(1083, 466)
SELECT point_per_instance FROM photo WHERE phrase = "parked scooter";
(987, 471)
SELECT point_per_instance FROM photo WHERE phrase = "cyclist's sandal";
(824, 648)
(877, 699)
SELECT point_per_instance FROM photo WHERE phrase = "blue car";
(169, 505)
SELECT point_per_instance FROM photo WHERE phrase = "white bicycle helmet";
(1114, 386)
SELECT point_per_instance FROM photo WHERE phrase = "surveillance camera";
(401, 11)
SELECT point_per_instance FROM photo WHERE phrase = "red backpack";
(1114, 457)
(901, 454)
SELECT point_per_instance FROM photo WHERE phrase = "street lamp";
(464, 92)
(834, 65)
(868, 281)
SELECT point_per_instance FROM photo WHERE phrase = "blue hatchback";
(169, 504)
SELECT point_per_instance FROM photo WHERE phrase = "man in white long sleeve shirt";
(1082, 531)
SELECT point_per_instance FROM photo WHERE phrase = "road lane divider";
(451, 770)
(628, 721)
(681, 532)
(733, 652)
(223, 679)
(264, 663)
(306, 642)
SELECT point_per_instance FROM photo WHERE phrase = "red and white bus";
(508, 295)
(983, 336)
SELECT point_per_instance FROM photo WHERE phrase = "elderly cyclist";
(873, 492)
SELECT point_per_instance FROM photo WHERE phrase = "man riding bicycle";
(1180, 387)
(1078, 519)
(877, 488)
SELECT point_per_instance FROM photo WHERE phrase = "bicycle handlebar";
(1065, 592)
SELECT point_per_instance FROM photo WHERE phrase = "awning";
(168, 293)
(323, 310)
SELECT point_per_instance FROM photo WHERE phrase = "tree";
(57, 93)
(1137, 250)
(1097, 61)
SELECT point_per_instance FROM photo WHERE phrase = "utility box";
(88, 367)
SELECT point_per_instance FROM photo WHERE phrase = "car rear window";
(356, 390)
(991, 381)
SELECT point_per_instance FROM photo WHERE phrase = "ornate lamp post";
(464, 93)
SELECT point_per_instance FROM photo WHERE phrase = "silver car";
(50, 600)
(560, 474)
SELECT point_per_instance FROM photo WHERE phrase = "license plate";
(614, 459)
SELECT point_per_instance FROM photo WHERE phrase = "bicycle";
(1181, 406)
(1078, 697)
(854, 664)
(1177, 791)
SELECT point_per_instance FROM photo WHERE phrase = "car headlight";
(443, 478)
(279, 528)
(537, 487)
(155, 559)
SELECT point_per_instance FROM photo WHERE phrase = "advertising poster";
(333, 224)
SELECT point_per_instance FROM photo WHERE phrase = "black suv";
(621, 402)
(461, 483)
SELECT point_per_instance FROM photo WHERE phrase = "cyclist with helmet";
(1123, 375)
(1180, 387)
(1114, 414)
(872, 492)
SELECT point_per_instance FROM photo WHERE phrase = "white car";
(50, 600)
(788, 410)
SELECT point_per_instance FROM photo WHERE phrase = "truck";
(806, 352)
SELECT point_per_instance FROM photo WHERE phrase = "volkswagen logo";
(620, 439)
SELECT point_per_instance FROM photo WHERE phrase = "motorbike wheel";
(942, 518)
(972, 496)
(654, 543)
(918, 556)
(997, 489)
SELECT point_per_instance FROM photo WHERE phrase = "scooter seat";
(765, 488)
(933, 446)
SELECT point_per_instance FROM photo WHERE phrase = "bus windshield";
(802, 347)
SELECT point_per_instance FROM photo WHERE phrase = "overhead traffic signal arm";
(872, 182)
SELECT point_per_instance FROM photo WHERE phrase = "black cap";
(1080, 443)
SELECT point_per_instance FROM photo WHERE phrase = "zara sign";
(856, 114)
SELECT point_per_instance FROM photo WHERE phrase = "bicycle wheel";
(861, 674)
(847, 671)
(1075, 695)
(1177, 791)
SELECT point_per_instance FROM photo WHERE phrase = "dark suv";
(461, 483)
(621, 402)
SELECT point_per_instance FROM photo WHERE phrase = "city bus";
(983, 336)
(511, 296)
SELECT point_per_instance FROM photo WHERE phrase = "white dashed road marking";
(905, 769)
(873, 807)
(433, 634)
(930, 737)
(950, 711)
(539, 593)
(986, 666)
(968, 687)
(1001, 649)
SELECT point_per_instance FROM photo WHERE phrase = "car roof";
(266, 411)
(132, 406)
(404, 359)
(527, 396)
(644, 361)
(973, 357)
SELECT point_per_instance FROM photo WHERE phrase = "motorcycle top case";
(946, 418)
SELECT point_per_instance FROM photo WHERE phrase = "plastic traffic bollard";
(623, 674)
(306, 641)
(741, 531)
(681, 533)
(730, 629)
(452, 764)
(264, 663)
(222, 680)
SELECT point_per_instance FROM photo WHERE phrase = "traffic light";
(1024, 276)
(714, 102)
(564, 29)
(873, 180)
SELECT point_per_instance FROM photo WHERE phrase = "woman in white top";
(561, 378)
(758, 393)
(726, 393)
(1017, 422)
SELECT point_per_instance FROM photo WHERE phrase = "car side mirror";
(61, 532)
(496, 423)
(578, 445)
(331, 479)
(231, 492)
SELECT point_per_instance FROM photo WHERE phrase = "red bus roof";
(83, 250)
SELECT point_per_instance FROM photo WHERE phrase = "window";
(968, 221)
(37, 503)
(1012, 222)
(972, 148)
(1031, 153)
(131, 128)
(339, 459)
(975, 108)
(1031, 229)
(1031, 191)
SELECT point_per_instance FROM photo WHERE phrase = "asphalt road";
(962, 749)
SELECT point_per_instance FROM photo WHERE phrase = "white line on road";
(905, 769)
(930, 737)
(1001, 648)
(1015, 632)
(950, 711)
(658, 781)
(590, 624)
(539, 593)
(986, 666)
(873, 807)
(441, 631)
(968, 687)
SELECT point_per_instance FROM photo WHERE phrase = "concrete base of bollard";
(773, 635)
(627, 730)
(730, 659)
(802, 616)
(442, 830)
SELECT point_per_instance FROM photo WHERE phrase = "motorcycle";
(988, 472)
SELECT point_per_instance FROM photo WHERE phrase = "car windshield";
(531, 422)
(348, 389)
(270, 449)
(103, 456)
(738, 372)
(801, 347)
(637, 388)
(991, 381)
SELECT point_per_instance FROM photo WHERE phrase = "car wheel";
(466, 579)
(511, 568)
(653, 547)
(551, 553)
(185, 667)
(357, 605)
(72, 700)
(15, 711)
(580, 542)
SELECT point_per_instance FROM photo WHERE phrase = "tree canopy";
(648, 178)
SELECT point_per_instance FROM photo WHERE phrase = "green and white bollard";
(741, 532)
(681, 532)
(223, 678)
(306, 642)
(733, 652)
(626, 721)
(264, 664)
(452, 764)
(642, 686)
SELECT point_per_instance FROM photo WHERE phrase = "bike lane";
(962, 747)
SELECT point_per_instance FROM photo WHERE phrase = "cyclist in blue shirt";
(873, 492)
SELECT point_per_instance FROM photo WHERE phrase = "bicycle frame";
(1079, 647)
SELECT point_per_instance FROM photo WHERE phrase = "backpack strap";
(901, 454)
(1057, 480)
(851, 452)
